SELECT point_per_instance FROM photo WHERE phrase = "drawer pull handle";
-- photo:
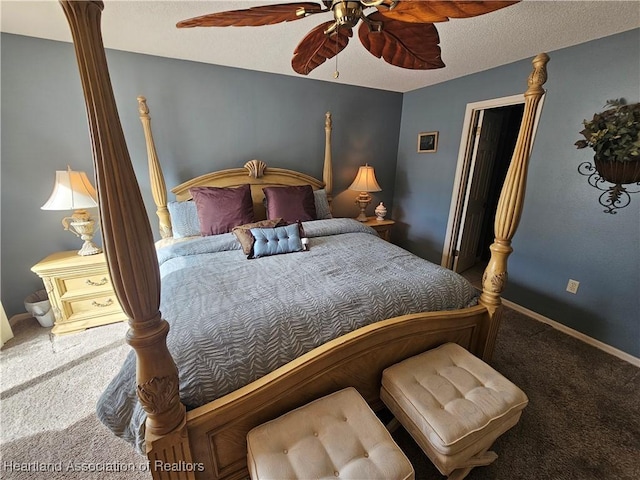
(97, 284)
(108, 303)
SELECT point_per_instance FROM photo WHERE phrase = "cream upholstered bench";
(453, 405)
(337, 436)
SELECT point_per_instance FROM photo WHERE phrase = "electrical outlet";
(572, 286)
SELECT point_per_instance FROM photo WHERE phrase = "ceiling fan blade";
(407, 45)
(317, 47)
(416, 11)
(253, 17)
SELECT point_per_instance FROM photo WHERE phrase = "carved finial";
(327, 120)
(143, 109)
(538, 76)
(256, 168)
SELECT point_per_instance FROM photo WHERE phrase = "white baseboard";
(574, 333)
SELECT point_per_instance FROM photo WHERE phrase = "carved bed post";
(327, 172)
(128, 243)
(510, 204)
(158, 186)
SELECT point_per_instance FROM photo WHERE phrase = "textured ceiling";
(468, 45)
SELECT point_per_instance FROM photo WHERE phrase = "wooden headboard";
(255, 172)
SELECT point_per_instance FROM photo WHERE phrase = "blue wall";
(563, 232)
(204, 118)
(207, 117)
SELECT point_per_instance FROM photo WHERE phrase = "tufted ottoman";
(337, 436)
(454, 406)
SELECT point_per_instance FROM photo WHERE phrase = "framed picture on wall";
(427, 142)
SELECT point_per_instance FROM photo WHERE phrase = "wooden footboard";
(217, 431)
(180, 445)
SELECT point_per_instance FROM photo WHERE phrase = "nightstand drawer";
(100, 305)
(95, 282)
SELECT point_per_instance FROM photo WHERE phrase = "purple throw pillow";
(290, 203)
(221, 209)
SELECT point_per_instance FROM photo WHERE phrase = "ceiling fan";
(399, 31)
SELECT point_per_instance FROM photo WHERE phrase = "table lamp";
(73, 191)
(364, 183)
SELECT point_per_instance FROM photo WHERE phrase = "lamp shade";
(71, 191)
(365, 180)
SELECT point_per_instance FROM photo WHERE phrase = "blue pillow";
(274, 241)
(184, 219)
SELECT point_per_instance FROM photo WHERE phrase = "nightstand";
(80, 291)
(383, 227)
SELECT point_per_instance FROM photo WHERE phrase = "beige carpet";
(582, 422)
(50, 385)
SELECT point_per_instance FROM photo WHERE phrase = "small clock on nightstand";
(383, 227)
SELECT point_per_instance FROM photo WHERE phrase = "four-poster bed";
(209, 441)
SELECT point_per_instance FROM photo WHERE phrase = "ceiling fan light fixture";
(347, 13)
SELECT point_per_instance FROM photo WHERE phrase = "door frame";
(462, 179)
(476, 173)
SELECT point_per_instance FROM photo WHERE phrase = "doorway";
(489, 136)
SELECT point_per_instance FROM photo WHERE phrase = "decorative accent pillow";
(274, 241)
(290, 203)
(243, 233)
(323, 211)
(221, 209)
(184, 219)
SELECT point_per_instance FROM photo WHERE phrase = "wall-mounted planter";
(614, 197)
(614, 136)
(619, 172)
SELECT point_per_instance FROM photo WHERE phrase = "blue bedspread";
(234, 320)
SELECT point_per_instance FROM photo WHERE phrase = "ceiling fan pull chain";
(336, 74)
